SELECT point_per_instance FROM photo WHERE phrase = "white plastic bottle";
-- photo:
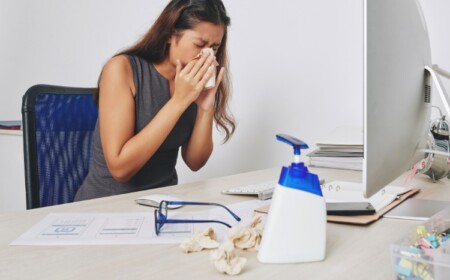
(295, 229)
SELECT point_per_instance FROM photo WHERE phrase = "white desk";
(12, 173)
(353, 252)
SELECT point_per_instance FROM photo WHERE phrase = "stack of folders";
(343, 149)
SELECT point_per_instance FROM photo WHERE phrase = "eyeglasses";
(161, 214)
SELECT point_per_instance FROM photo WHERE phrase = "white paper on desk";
(338, 191)
(129, 228)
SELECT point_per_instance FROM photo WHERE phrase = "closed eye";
(200, 46)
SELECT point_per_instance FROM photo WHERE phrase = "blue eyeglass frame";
(161, 218)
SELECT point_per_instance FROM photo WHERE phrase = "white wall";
(292, 62)
(296, 65)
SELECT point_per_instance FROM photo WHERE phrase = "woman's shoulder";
(117, 70)
(128, 62)
(118, 63)
(118, 67)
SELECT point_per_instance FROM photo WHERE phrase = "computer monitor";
(397, 90)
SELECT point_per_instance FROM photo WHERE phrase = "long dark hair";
(180, 15)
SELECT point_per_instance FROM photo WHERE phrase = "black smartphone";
(350, 208)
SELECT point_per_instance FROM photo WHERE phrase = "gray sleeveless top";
(152, 93)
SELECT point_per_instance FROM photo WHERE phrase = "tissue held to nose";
(212, 81)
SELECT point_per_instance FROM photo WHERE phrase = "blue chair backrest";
(58, 127)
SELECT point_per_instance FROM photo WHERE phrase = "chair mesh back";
(64, 129)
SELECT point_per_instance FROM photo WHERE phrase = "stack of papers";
(343, 149)
(13, 125)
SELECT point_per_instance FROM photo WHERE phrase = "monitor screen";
(397, 90)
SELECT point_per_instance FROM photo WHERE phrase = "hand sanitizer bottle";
(295, 230)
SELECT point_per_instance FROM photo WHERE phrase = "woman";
(152, 100)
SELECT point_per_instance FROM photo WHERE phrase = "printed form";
(129, 228)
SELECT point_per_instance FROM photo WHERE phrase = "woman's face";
(188, 44)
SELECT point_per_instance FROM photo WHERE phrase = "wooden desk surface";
(353, 252)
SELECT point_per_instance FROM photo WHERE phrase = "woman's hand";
(191, 80)
(205, 100)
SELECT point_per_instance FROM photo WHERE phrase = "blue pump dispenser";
(297, 175)
(295, 230)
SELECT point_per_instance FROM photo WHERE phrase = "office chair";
(58, 125)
